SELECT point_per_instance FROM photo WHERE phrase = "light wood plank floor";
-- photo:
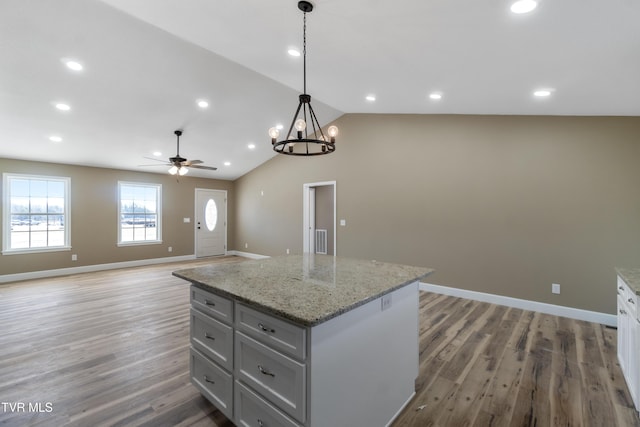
(111, 348)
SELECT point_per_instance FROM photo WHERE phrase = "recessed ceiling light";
(251, 146)
(435, 96)
(523, 6)
(370, 98)
(227, 163)
(55, 138)
(293, 52)
(542, 93)
(279, 126)
(157, 153)
(74, 65)
(63, 107)
(202, 103)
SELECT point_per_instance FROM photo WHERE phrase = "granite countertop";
(306, 289)
(631, 277)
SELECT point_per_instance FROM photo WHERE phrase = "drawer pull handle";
(621, 288)
(260, 423)
(206, 335)
(209, 303)
(265, 329)
(631, 301)
(623, 312)
(264, 372)
(208, 380)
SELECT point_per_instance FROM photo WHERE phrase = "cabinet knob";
(631, 301)
(622, 311)
(260, 423)
(621, 288)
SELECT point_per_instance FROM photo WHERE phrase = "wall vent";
(321, 241)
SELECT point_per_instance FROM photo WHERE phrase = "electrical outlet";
(74, 257)
(555, 288)
(343, 222)
(386, 301)
(186, 220)
(246, 246)
(170, 249)
(287, 251)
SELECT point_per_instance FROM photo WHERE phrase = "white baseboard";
(89, 268)
(247, 255)
(556, 310)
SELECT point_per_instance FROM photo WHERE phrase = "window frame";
(7, 177)
(158, 214)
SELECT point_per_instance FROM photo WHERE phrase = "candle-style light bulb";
(300, 125)
(173, 170)
(333, 131)
(183, 171)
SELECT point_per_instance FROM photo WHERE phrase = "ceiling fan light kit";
(299, 142)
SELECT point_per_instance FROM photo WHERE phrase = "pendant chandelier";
(298, 141)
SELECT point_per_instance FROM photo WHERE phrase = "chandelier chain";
(304, 51)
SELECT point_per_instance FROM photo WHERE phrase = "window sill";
(140, 243)
(35, 250)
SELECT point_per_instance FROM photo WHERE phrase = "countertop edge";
(627, 275)
(290, 317)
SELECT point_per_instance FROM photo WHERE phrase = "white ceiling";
(148, 61)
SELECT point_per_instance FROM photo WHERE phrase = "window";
(139, 213)
(36, 213)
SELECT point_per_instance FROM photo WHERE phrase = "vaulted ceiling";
(147, 63)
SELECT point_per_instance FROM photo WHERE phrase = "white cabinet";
(355, 369)
(629, 338)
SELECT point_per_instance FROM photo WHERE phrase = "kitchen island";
(309, 340)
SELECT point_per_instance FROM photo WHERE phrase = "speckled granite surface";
(631, 277)
(306, 289)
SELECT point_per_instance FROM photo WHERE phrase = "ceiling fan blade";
(195, 162)
(159, 164)
(152, 158)
(211, 168)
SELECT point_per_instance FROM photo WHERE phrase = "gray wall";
(501, 204)
(94, 216)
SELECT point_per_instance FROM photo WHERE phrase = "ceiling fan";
(180, 165)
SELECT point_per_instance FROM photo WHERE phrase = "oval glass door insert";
(211, 214)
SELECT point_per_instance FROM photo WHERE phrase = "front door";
(211, 222)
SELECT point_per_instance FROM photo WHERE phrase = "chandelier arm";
(314, 121)
(295, 116)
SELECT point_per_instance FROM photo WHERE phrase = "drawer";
(276, 333)
(212, 338)
(278, 378)
(213, 382)
(215, 306)
(253, 411)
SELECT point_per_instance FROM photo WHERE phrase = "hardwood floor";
(110, 348)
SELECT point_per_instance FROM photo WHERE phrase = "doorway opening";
(319, 218)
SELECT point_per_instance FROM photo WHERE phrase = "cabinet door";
(623, 336)
(634, 360)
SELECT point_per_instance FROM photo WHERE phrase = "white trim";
(305, 214)
(6, 215)
(91, 268)
(247, 255)
(556, 310)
